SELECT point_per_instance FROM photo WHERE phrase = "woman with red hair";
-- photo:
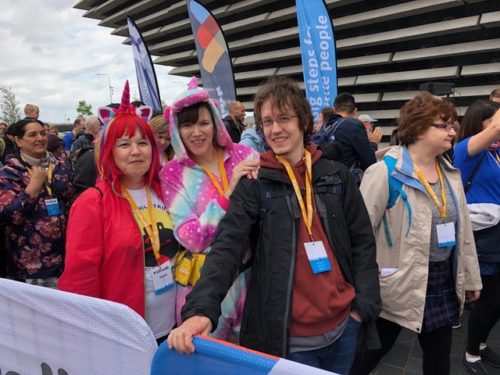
(120, 240)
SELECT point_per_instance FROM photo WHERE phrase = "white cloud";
(50, 56)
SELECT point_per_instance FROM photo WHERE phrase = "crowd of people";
(299, 238)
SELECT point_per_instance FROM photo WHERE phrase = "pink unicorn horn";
(125, 103)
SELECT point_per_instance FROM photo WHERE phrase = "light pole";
(109, 84)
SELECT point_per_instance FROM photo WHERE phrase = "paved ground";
(405, 358)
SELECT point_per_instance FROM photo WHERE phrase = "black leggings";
(484, 314)
(436, 348)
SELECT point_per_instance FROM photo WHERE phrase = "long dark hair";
(472, 123)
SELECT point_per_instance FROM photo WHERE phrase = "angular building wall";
(385, 48)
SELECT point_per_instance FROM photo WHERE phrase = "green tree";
(8, 105)
(84, 109)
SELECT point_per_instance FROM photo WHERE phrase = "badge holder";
(52, 205)
(163, 279)
(318, 258)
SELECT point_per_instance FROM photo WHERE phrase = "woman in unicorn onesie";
(197, 186)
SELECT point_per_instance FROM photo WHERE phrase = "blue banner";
(213, 356)
(317, 45)
(146, 76)
(213, 56)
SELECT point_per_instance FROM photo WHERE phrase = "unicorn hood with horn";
(192, 198)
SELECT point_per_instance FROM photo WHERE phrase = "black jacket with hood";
(266, 212)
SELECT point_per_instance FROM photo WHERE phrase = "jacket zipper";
(290, 279)
(143, 255)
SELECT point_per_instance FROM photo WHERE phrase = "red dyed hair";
(125, 124)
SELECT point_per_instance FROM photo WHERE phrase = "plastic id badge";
(163, 279)
(318, 258)
(446, 234)
(52, 206)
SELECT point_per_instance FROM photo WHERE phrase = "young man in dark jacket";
(314, 276)
(344, 129)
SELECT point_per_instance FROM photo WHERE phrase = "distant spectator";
(10, 146)
(368, 122)
(69, 137)
(495, 95)
(160, 129)
(138, 103)
(3, 129)
(394, 138)
(253, 138)
(53, 130)
(373, 132)
(325, 113)
(249, 122)
(55, 145)
(32, 111)
(344, 132)
(234, 121)
(85, 139)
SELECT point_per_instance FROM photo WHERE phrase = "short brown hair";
(285, 92)
(418, 114)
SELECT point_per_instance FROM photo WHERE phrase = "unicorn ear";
(106, 114)
(166, 113)
(145, 112)
(216, 103)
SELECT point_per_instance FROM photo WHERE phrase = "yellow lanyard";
(222, 170)
(307, 209)
(421, 177)
(49, 176)
(151, 228)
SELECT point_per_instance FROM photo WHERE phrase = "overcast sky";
(50, 56)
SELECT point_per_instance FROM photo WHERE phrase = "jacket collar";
(404, 170)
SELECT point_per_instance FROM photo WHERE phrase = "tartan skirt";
(441, 303)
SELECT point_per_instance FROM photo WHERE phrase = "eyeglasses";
(445, 125)
(280, 120)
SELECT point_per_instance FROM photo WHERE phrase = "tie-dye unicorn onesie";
(196, 209)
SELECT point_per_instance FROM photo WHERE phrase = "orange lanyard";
(423, 180)
(47, 184)
(151, 228)
(222, 170)
(306, 209)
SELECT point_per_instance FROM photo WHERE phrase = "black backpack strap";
(468, 183)
(268, 192)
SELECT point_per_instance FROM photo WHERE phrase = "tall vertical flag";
(317, 45)
(213, 55)
(146, 76)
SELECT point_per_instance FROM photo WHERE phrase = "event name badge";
(52, 206)
(163, 279)
(318, 258)
(446, 234)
